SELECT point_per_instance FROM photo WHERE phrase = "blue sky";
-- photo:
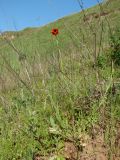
(19, 14)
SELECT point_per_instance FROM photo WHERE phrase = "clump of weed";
(115, 48)
(101, 61)
(113, 53)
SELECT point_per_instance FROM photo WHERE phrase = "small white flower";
(54, 130)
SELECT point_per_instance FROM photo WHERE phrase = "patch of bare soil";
(70, 151)
(92, 16)
(93, 148)
(37, 157)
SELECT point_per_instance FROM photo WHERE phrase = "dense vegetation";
(60, 95)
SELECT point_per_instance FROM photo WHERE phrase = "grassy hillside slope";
(40, 39)
(60, 96)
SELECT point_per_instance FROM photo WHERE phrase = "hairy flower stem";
(59, 56)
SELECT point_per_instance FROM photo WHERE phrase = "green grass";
(59, 90)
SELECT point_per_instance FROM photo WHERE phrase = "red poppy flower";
(54, 31)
